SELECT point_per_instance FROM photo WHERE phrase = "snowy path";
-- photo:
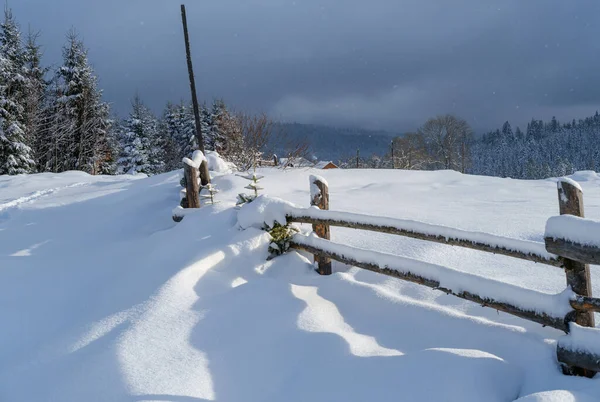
(103, 297)
(36, 195)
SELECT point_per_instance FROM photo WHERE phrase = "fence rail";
(320, 250)
(452, 240)
(572, 257)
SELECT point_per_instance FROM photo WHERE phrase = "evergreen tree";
(35, 90)
(16, 155)
(79, 123)
(182, 128)
(142, 147)
(219, 116)
(507, 132)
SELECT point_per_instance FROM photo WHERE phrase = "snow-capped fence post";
(192, 187)
(319, 197)
(570, 200)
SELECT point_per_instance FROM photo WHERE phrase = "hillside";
(104, 298)
(334, 143)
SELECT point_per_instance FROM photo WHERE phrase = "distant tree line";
(443, 142)
(544, 149)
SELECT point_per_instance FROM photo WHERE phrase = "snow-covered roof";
(295, 162)
(322, 164)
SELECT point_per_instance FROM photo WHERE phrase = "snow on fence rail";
(570, 243)
(523, 249)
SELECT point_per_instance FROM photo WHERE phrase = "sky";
(379, 64)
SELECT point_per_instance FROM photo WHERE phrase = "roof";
(322, 164)
(295, 162)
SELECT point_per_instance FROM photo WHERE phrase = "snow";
(559, 396)
(581, 339)
(314, 189)
(216, 163)
(263, 209)
(553, 305)
(574, 229)
(196, 161)
(569, 181)
(104, 298)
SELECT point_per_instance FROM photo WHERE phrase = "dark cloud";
(382, 64)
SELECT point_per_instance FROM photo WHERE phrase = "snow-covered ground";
(104, 298)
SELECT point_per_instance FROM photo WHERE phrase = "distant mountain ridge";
(335, 143)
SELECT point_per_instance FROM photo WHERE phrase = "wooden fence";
(557, 253)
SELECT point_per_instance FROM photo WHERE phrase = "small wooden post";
(357, 158)
(570, 200)
(321, 200)
(275, 160)
(204, 173)
(192, 193)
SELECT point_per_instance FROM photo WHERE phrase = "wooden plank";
(585, 303)
(573, 251)
(556, 262)
(321, 201)
(544, 319)
(570, 200)
(590, 363)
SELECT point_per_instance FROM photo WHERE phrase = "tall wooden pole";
(204, 175)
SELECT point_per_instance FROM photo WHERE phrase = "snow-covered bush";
(216, 163)
(281, 235)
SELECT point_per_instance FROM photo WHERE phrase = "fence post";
(570, 199)
(192, 192)
(319, 197)
(204, 173)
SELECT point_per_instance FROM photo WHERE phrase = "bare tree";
(409, 152)
(249, 140)
(447, 139)
(254, 138)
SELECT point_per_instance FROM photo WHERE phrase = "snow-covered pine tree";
(35, 91)
(212, 190)
(180, 133)
(140, 142)
(166, 128)
(16, 155)
(110, 149)
(254, 186)
(79, 121)
(216, 140)
(205, 123)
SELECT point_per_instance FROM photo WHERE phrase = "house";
(325, 165)
(297, 162)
